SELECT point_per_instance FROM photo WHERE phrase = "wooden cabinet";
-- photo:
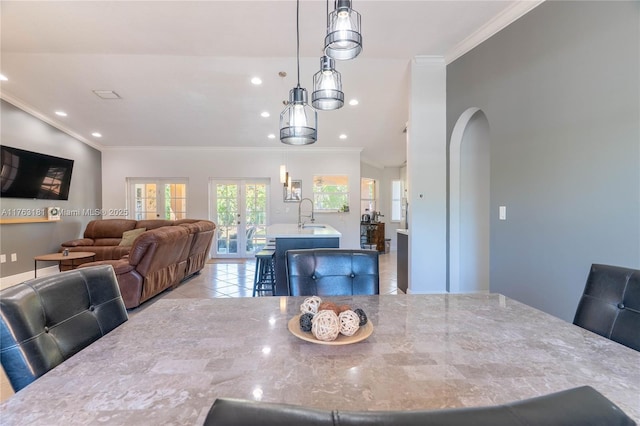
(372, 235)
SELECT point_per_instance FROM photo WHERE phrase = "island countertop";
(310, 230)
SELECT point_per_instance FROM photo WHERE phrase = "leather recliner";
(610, 304)
(156, 262)
(46, 320)
(582, 406)
(332, 272)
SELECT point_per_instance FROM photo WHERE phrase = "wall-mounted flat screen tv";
(27, 174)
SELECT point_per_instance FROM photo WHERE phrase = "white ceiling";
(183, 68)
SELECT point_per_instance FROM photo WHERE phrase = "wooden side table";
(59, 257)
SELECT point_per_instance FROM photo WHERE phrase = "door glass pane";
(227, 218)
(145, 201)
(175, 201)
(256, 216)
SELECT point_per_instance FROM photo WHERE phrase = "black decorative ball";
(305, 322)
(362, 315)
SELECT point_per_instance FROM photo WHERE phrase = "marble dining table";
(174, 357)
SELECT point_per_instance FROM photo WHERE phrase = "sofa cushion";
(78, 243)
(108, 228)
(154, 223)
(128, 237)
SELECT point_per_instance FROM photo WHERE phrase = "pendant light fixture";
(283, 173)
(344, 39)
(327, 84)
(298, 121)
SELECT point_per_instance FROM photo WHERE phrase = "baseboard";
(12, 280)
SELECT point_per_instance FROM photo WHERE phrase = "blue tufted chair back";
(332, 272)
(610, 304)
(46, 320)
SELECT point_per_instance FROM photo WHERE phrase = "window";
(330, 193)
(396, 200)
(158, 198)
(367, 195)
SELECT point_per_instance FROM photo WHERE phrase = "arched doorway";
(469, 203)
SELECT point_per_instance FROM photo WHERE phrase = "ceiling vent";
(106, 94)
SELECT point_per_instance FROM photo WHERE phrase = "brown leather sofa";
(103, 236)
(160, 258)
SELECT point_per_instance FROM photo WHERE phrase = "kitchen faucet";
(300, 216)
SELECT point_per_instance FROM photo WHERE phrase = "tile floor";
(227, 278)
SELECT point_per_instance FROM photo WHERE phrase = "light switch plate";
(502, 212)
(3, 258)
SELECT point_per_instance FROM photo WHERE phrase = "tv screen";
(27, 174)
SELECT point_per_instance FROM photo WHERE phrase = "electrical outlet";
(14, 257)
(3, 258)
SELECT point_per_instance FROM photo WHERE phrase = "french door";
(239, 210)
(157, 198)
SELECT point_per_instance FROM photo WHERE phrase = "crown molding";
(428, 59)
(499, 22)
(288, 149)
(18, 103)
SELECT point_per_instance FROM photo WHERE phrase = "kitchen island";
(288, 237)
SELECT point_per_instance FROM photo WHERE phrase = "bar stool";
(265, 276)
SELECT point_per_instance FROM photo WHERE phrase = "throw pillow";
(128, 237)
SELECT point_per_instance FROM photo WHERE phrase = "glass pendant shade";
(327, 86)
(283, 173)
(298, 121)
(344, 38)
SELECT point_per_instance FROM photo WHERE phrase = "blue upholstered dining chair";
(46, 320)
(610, 304)
(332, 272)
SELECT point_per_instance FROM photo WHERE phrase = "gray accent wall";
(22, 130)
(561, 90)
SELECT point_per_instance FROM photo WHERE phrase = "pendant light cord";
(298, 38)
(327, 14)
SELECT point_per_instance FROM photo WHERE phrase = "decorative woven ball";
(343, 308)
(362, 315)
(310, 305)
(325, 326)
(349, 322)
(305, 322)
(329, 306)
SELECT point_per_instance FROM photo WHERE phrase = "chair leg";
(256, 276)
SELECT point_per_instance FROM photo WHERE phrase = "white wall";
(426, 175)
(199, 165)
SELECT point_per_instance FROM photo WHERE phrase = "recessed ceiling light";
(265, 114)
(271, 136)
(256, 80)
(96, 135)
(342, 136)
(3, 78)
(61, 113)
(353, 102)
